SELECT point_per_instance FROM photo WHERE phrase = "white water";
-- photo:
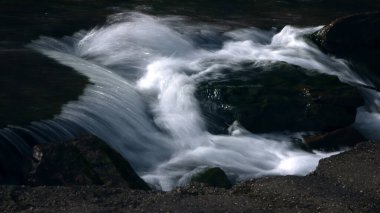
(144, 71)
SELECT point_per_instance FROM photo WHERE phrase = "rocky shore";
(348, 182)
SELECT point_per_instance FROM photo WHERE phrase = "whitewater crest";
(144, 71)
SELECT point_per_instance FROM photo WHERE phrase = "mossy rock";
(286, 98)
(214, 177)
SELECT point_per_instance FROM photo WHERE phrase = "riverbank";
(347, 182)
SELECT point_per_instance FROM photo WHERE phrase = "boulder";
(61, 164)
(351, 33)
(355, 38)
(335, 140)
(286, 98)
(86, 161)
(213, 177)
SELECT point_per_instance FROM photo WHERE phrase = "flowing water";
(143, 72)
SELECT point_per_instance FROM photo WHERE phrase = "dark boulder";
(351, 33)
(112, 168)
(286, 98)
(86, 161)
(213, 177)
(335, 140)
(61, 164)
(355, 38)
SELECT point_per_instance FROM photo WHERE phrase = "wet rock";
(351, 33)
(87, 161)
(61, 164)
(284, 97)
(109, 164)
(355, 38)
(213, 177)
(335, 140)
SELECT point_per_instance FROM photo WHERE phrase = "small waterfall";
(144, 71)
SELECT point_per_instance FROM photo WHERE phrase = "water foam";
(144, 71)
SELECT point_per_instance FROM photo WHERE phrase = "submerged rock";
(87, 161)
(335, 140)
(213, 177)
(284, 98)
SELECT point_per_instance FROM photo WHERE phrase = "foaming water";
(368, 117)
(144, 71)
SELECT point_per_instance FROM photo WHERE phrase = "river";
(128, 72)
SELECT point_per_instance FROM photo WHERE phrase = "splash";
(144, 71)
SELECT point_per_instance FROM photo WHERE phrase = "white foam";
(152, 117)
